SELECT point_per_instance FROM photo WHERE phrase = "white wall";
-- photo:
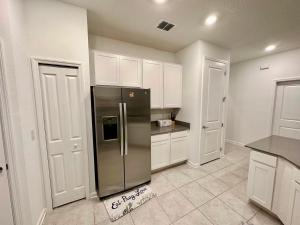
(55, 30)
(16, 67)
(124, 48)
(250, 94)
(192, 58)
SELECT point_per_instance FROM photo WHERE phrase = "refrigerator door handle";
(121, 128)
(125, 129)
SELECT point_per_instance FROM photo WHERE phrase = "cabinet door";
(130, 72)
(172, 85)
(153, 79)
(106, 69)
(178, 149)
(284, 175)
(294, 202)
(261, 183)
(160, 154)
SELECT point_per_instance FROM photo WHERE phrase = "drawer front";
(160, 137)
(179, 134)
(263, 158)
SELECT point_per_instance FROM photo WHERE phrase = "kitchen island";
(274, 177)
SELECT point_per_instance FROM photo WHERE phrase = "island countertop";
(284, 147)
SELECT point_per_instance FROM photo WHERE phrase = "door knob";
(75, 146)
(204, 127)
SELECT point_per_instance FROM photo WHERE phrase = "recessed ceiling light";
(270, 48)
(160, 1)
(210, 20)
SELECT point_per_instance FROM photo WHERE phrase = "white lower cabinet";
(167, 149)
(261, 178)
(179, 142)
(284, 175)
(281, 195)
(160, 151)
(294, 200)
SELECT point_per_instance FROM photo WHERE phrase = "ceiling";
(245, 27)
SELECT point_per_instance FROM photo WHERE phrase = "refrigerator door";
(108, 130)
(137, 145)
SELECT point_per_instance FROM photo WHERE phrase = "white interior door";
(286, 120)
(6, 216)
(212, 110)
(62, 117)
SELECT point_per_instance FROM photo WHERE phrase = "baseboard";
(234, 142)
(194, 165)
(42, 217)
(93, 195)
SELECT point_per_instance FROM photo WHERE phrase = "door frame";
(273, 101)
(6, 123)
(35, 61)
(224, 113)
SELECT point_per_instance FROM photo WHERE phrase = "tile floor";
(214, 194)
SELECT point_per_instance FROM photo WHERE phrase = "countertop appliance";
(164, 123)
(122, 138)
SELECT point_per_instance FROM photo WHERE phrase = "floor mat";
(124, 203)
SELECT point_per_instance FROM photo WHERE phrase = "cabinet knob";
(1, 169)
(204, 127)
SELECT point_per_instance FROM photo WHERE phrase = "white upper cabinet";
(164, 79)
(153, 79)
(116, 70)
(172, 85)
(106, 69)
(130, 71)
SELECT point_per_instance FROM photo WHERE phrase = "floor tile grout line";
(233, 209)
(236, 164)
(212, 223)
(163, 210)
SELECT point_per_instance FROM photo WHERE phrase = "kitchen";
(45, 33)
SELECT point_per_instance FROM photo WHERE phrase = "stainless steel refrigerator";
(122, 139)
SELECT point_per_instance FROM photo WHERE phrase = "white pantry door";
(6, 216)
(212, 110)
(286, 120)
(62, 118)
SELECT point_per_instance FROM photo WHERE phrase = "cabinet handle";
(204, 127)
(1, 169)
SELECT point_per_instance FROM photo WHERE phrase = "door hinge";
(222, 124)
(221, 149)
(6, 166)
(224, 99)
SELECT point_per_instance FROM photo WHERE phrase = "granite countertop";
(286, 148)
(179, 126)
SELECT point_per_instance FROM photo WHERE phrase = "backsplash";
(158, 114)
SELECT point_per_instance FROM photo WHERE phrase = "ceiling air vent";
(164, 25)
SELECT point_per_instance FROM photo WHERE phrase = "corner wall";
(250, 94)
(54, 30)
(24, 163)
(192, 58)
